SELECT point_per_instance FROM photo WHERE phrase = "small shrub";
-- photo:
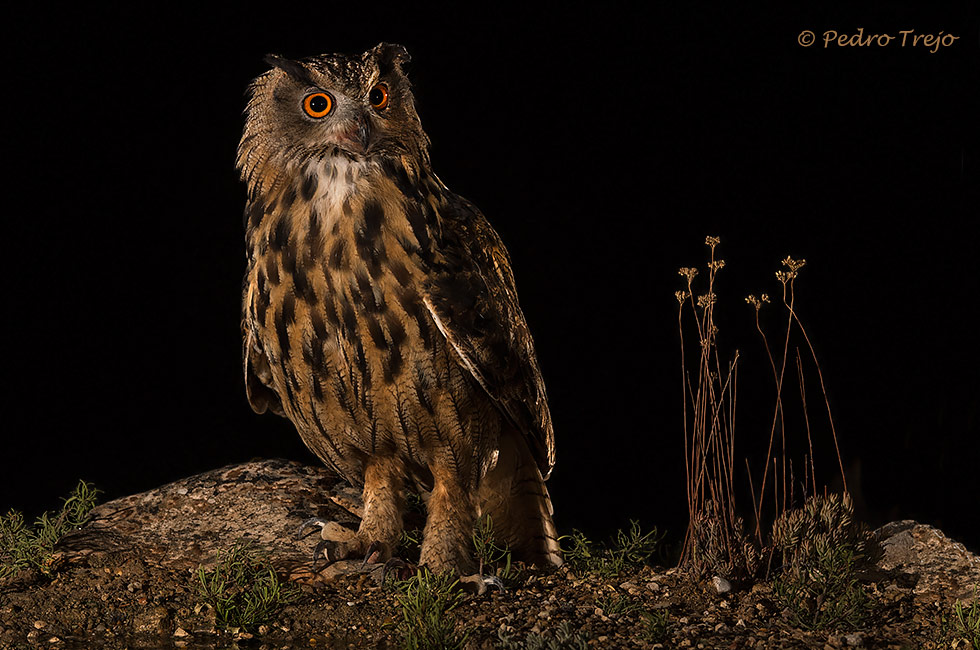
(489, 554)
(243, 588)
(967, 620)
(616, 605)
(629, 550)
(562, 639)
(427, 601)
(656, 625)
(22, 547)
(959, 623)
(822, 547)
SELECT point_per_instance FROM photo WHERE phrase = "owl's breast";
(334, 296)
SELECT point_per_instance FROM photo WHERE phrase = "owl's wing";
(472, 297)
(258, 376)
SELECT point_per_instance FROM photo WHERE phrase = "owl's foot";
(338, 542)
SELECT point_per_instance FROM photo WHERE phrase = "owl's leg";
(384, 503)
(448, 534)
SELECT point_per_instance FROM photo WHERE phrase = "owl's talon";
(374, 552)
(310, 523)
(399, 568)
(318, 552)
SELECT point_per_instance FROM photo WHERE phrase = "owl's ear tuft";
(390, 55)
(293, 69)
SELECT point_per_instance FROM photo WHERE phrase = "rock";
(722, 586)
(939, 567)
(184, 524)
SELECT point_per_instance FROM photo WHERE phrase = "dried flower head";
(757, 302)
(712, 241)
(706, 300)
(718, 264)
(681, 296)
(793, 265)
(688, 273)
(785, 276)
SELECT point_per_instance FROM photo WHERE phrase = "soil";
(111, 588)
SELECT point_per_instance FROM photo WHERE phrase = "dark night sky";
(603, 146)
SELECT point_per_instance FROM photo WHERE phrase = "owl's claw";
(374, 552)
(336, 541)
(310, 523)
(397, 567)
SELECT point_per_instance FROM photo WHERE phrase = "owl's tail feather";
(513, 493)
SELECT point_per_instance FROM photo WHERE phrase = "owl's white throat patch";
(337, 179)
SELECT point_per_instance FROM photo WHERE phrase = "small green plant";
(22, 547)
(656, 625)
(959, 623)
(616, 605)
(243, 588)
(427, 601)
(489, 553)
(822, 547)
(967, 620)
(410, 544)
(562, 639)
(629, 550)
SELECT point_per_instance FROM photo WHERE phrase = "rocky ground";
(129, 579)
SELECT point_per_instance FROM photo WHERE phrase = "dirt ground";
(128, 579)
(118, 601)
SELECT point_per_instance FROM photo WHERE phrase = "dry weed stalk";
(784, 487)
(715, 541)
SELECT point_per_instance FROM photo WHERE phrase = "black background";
(603, 144)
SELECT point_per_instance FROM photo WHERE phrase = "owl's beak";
(363, 132)
(358, 135)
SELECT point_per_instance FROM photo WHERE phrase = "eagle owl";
(380, 314)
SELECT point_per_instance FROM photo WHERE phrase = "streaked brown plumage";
(380, 312)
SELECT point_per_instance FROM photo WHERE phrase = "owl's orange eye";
(318, 104)
(379, 97)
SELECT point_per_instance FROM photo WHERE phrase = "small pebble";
(722, 586)
(40, 624)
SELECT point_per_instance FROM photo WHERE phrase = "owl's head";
(360, 107)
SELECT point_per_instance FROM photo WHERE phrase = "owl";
(380, 315)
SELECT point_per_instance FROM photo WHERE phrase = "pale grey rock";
(939, 567)
(184, 524)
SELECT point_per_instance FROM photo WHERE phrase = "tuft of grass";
(822, 547)
(243, 588)
(959, 624)
(967, 620)
(427, 601)
(656, 625)
(562, 639)
(23, 547)
(617, 605)
(629, 550)
(489, 553)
